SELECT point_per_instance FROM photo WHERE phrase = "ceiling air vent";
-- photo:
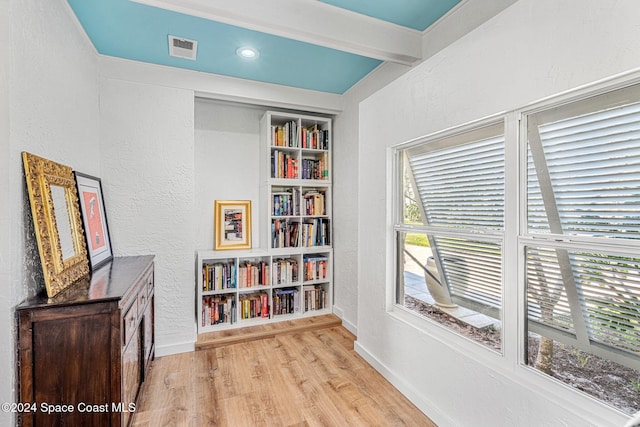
(182, 48)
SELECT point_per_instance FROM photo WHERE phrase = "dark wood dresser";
(83, 355)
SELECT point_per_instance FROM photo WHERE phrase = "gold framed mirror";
(57, 223)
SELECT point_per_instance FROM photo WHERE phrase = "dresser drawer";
(129, 323)
(150, 284)
(143, 298)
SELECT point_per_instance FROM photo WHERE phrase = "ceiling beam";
(309, 21)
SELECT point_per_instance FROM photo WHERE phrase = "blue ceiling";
(416, 14)
(135, 31)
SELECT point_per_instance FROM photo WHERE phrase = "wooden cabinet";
(83, 355)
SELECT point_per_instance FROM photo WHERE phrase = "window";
(450, 231)
(582, 257)
(576, 226)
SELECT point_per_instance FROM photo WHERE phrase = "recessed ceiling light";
(247, 52)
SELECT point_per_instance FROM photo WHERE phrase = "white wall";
(227, 163)
(532, 50)
(147, 147)
(460, 20)
(49, 106)
(7, 297)
(345, 193)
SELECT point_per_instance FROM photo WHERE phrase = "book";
(286, 301)
(218, 309)
(315, 267)
(315, 297)
(284, 270)
(218, 276)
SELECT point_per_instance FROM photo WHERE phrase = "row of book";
(254, 305)
(286, 301)
(284, 165)
(285, 271)
(221, 309)
(285, 135)
(290, 135)
(314, 168)
(314, 203)
(286, 203)
(316, 233)
(218, 276)
(314, 138)
(218, 309)
(250, 273)
(315, 297)
(284, 233)
(315, 268)
(253, 273)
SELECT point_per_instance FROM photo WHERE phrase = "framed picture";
(232, 226)
(94, 219)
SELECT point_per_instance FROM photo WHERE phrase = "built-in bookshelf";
(296, 181)
(242, 288)
(289, 274)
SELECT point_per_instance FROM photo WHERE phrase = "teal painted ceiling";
(416, 14)
(136, 31)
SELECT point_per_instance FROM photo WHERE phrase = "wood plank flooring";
(265, 330)
(310, 377)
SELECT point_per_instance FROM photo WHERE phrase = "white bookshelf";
(295, 221)
(294, 171)
(305, 275)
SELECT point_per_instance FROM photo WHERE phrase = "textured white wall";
(345, 216)
(52, 103)
(533, 49)
(147, 147)
(345, 192)
(227, 148)
(7, 297)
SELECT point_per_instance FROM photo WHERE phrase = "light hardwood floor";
(305, 378)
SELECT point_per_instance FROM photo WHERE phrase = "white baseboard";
(176, 348)
(425, 405)
(347, 324)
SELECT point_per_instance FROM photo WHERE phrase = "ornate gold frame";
(41, 174)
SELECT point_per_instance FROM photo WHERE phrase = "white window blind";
(462, 186)
(593, 164)
(584, 181)
(459, 182)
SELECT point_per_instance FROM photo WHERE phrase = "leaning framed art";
(94, 219)
(232, 224)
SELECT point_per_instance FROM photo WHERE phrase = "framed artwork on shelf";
(94, 219)
(232, 224)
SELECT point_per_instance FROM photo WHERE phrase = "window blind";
(463, 186)
(460, 184)
(609, 295)
(593, 163)
(584, 180)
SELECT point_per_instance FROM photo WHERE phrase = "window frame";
(456, 136)
(571, 104)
